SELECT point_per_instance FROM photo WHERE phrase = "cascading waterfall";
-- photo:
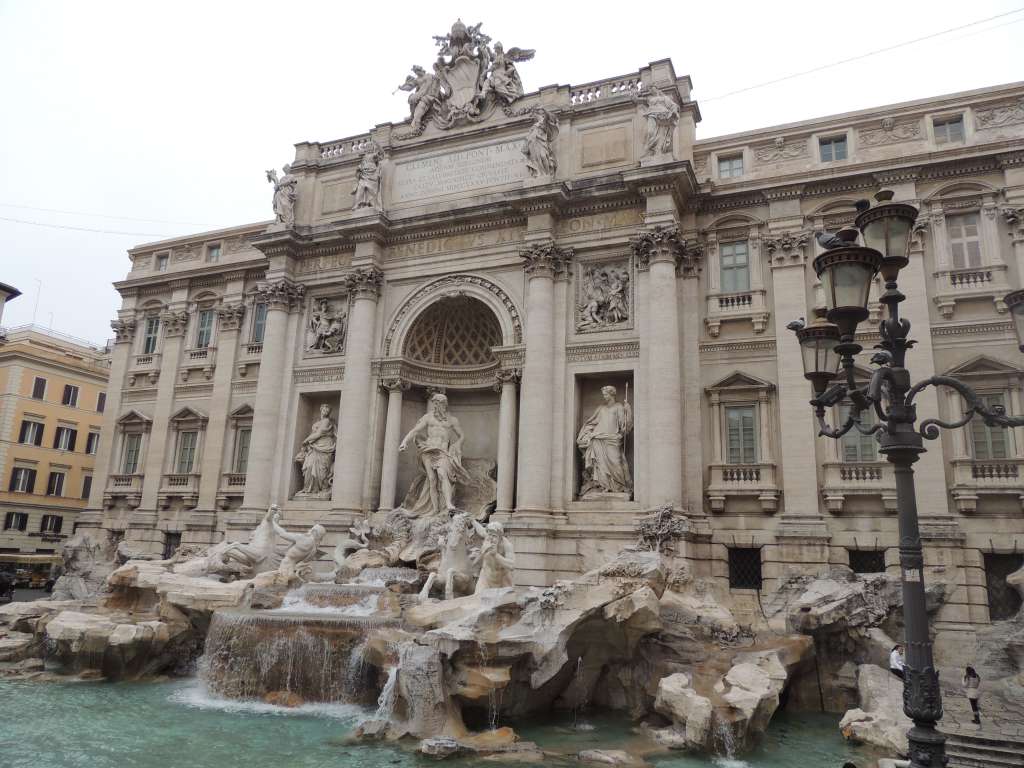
(726, 740)
(581, 701)
(386, 700)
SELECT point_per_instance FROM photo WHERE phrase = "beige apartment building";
(52, 399)
(522, 257)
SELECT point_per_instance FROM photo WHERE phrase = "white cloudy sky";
(158, 119)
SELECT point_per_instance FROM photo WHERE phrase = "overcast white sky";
(158, 119)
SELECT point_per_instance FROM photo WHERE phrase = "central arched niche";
(449, 345)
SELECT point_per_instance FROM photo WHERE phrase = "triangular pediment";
(188, 414)
(134, 417)
(983, 365)
(739, 380)
(243, 411)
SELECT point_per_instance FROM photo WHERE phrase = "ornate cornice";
(281, 294)
(229, 316)
(1010, 159)
(788, 192)
(738, 346)
(321, 375)
(365, 283)
(545, 259)
(598, 351)
(174, 323)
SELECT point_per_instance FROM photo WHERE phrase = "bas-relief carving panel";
(492, 165)
(326, 325)
(604, 295)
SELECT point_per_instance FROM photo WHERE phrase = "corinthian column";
(506, 384)
(661, 251)
(356, 392)
(392, 437)
(542, 261)
(281, 298)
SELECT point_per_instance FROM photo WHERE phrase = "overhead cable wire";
(103, 216)
(84, 229)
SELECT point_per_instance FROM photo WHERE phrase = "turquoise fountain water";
(163, 725)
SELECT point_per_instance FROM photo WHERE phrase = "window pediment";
(135, 421)
(740, 382)
(188, 418)
(983, 365)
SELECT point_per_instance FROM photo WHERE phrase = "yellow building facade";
(52, 398)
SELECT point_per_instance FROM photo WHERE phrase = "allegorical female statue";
(605, 469)
(661, 114)
(540, 154)
(284, 195)
(368, 174)
(316, 457)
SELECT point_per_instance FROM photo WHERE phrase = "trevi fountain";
(302, 617)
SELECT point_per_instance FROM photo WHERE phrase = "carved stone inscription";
(493, 165)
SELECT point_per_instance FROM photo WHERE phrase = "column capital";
(174, 322)
(229, 316)
(395, 384)
(365, 282)
(787, 248)
(124, 329)
(545, 259)
(281, 294)
(506, 376)
(664, 244)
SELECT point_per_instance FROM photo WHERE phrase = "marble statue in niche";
(316, 457)
(601, 438)
(285, 195)
(497, 558)
(325, 332)
(439, 439)
(661, 113)
(539, 145)
(604, 297)
(368, 176)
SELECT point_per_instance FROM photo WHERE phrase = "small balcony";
(955, 285)
(232, 486)
(973, 479)
(126, 486)
(250, 353)
(202, 359)
(181, 486)
(851, 479)
(744, 305)
(147, 364)
(743, 480)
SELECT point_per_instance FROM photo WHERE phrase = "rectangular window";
(55, 485)
(867, 560)
(213, 253)
(186, 452)
(70, 395)
(150, 333)
(730, 167)
(64, 439)
(101, 402)
(735, 267)
(242, 449)
(741, 434)
(744, 568)
(259, 322)
(15, 521)
(171, 543)
(160, 263)
(855, 446)
(205, 331)
(86, 486)
(130, 463)
(31, 433)
(23, 480)
(949, 130)
(964, 240)
(51, 524)
(92, 443)
(989, 442)
(832, 149)
(39, 388)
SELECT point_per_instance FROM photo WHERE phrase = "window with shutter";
(55, 485)
(204, 334)
(964, 240)
(989, 442)
(741, 436)
(150, 334)
(86, 486)
(854, 445)
(51, 524)
(735, 267)
(259, 322)
(130, 463)
(242, 449)
(39, 388)
(70, 395)
(101, 402)
(186, 452)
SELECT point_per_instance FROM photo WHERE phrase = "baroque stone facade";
(519, 252)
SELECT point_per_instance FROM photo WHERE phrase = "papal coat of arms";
(470, 79)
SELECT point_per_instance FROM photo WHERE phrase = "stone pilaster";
(281, 297)
(542, 261)
(661, 252)
(364, 283)
(506, 384)
(392, 437)
(693, 427)
(1014, 218)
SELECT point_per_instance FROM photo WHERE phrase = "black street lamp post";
(846, 271)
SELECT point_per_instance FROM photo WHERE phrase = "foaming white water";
(295, 602)
(731, 762)
(197, 696)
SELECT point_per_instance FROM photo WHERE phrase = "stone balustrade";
(973, 479)
(753, 481)
(353, 146)
(953, 285)
(844, 480)
(744, 305)
(179, 485)
(628, 85)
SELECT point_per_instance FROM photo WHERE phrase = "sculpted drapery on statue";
(284, 195)
(316, 457)
(605, 469)
(368, 176)
(539, 145)
(439, 440)
(661, 114)
(469, 79)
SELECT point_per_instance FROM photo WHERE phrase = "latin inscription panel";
(491, 166)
